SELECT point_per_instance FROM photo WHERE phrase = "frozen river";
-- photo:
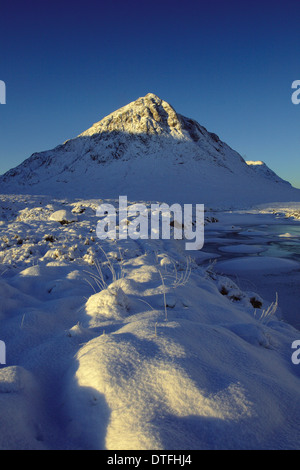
(264, 257)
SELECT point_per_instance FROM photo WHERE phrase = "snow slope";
(131, 345)
(262, 169)
(149, 152)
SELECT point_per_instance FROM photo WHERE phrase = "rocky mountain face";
(147, 151)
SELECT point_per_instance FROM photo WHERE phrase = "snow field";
(130, 345)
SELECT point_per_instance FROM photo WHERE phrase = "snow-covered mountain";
(262, 169)
(147, 151)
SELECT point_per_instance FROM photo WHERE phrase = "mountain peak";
(152, 96)
(146, 115)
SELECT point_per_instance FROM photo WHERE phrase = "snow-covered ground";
(291, 209)
(131, 344)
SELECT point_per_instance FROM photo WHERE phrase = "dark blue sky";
(229, 65)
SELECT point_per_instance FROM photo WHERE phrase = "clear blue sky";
(227, 64)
